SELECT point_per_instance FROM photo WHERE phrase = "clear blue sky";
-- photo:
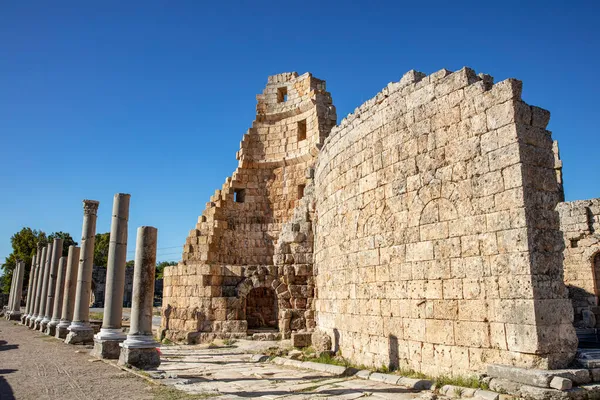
(152, 97)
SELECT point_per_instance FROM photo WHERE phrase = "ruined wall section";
(436, 244)
(580, 224)
(231, 250)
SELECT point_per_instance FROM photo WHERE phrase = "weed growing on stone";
(167, 342)
(229, 342)
(467, 382)
(169, 393)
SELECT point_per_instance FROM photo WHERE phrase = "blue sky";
(152, 97)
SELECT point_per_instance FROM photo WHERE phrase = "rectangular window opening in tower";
(301, 130)
(301, 191)
(282, 94)
(239, 195)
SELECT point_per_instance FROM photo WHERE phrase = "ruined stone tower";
(430, 212)
(242, 266)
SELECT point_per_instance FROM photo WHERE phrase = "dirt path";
(36, 366)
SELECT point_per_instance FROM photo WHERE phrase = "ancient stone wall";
(232, 250)
(437, 246)
(580, 224)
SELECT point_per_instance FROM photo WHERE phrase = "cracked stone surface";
(229, 373)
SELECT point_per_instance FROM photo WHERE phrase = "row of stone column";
(16, 292)
(59, 290)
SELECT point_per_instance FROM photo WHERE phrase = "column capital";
(90, 207)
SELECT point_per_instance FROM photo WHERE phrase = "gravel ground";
(36, 366)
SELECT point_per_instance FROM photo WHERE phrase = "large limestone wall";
(232, 249)
(437, 246)
(580, 224)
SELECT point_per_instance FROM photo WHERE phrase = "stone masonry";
(421, 232)
(248, 245)
(580, 224)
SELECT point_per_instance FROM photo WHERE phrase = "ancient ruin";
(421, 232)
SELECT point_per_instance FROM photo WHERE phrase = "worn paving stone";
(234, 374)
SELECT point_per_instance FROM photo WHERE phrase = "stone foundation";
(142, 358)
(107, 349)
(80, 337)
(419, 233)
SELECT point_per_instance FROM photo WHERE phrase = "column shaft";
(106, 342)
(139, 349)
(38, 287)
(57, 249)
(58, 296)
(30, 284)
(44, 293)
(68, 303)
(15, 307)
(80, 330)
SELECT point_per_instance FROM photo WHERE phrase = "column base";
(80, 336)
(29, 321)
(62, 329)
(13, 316)
(23, 318)
(108, 349)
(142, 358)
(50, 330)
(36, 324)
(44, 325)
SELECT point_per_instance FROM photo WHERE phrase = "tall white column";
(106, 342)
(38, 288)
(58, 296)
(80, 330)
(44, 293)
(69, 293)
(57, 249)
(29, 287)
(15, 304)
(139, 349)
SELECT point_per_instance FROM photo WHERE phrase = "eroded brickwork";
(419, 233)
(244, 239)
(437, 244)
(580, 224)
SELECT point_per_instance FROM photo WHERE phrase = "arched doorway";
(261, 309)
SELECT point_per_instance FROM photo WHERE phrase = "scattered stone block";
(486, 395)
(301, 339)
(417, 384)
(560, 383)
(385, 378)
(363, 374)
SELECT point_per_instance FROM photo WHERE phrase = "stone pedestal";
(142, 358)
(79, 333)
(109, 349)
(62, 331)
(108, 339)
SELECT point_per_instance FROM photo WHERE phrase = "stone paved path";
(36, 366)
(228, 373)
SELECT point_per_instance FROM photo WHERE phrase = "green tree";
(67, 241)
(24, 244)
(160, 268)
(101, 249)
